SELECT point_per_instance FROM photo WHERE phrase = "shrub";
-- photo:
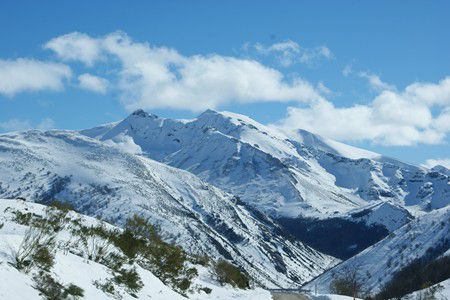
(52, 221)
(95, 241)
(228, 273)
(48, 287)
(419, 274)
(167, 261)
(129, 243)
(202, 260)
(207, 290)
(184, 284)
(348, 282)
(143, 228)
(25, 218)
(62, 206)
(114, 261)
(43, 258)
(107, 288)
(73, 290)
(35, 244)
(130, 279)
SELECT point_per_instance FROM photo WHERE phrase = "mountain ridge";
(301, 164)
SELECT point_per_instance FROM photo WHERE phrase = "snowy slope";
(441, 292)
(101, 179)
(392, 216)
(284, 176)
(71, 267)
(378, 263)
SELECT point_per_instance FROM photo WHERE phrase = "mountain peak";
(140, 112)
(209, 111)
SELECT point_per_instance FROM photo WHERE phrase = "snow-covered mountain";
(73, 263)
(225, 185)
(427, 235)
(108, 180)
(313, 186)
(301, 175)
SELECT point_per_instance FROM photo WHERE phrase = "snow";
(442, 293)
(390, 215)
(330, 146)
(103, 180)
(72, 269)
(182, 174)
(281, 174)
(378, 263)
(330, 297)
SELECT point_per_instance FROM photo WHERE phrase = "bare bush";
(35, 244)
(348, 282)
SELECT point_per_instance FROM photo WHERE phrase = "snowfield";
(74, 269)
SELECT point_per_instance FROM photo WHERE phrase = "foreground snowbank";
(71, 268)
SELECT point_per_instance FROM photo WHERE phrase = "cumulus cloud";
(160, 77)
(392, 118)
(289, 52)
(31, 75)
(93, 83)
(21, 125)
(76, 47)
(429, 93)
(430, 163)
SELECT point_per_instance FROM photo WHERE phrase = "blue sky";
(369, 74)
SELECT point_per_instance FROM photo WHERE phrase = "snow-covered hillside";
(109, 181)
(73, 267)
(392, 216)
(286, 176)
(439, 291)
(425, 235)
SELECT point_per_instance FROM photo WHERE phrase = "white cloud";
(430, 163)
(375, 81)
(289, 52)
(430, 93)
(442, 122)
(160, 77)
(93, 83)
(76, 46)
(392, 118)
(22, 125)
(125, 143)
(31, 75)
